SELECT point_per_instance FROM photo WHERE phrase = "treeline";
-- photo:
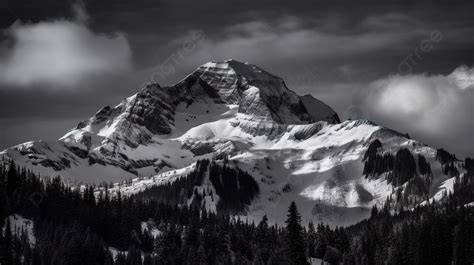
(76, 227)
(431, 234)
(180, 190)
(235, 188)
(401, 167)
(404, 167)
(437, 233)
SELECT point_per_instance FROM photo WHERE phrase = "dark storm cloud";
(331, 49)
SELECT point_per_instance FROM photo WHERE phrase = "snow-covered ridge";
(140, 135)
(294, 146)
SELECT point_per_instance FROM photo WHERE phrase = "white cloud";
(463, 77)
(61, 53)
(435, 109)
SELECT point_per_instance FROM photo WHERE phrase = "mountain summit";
(256, 94)
(284, 147)
(259, 93)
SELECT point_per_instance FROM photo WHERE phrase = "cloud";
(463, 77)
(79, 12)
(61, 53)
(436, 109)
(292, 39)
(389, 21)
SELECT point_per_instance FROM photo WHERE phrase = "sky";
(406, 65)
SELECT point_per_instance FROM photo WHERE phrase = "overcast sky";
(407, 65)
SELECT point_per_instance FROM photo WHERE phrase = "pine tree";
(12, 179)
(134, 255)
(223, 247)
(294, 239)
(210, 241)
(4, 204)
(321, 242)
(191, 236)
(109, 260)
(147, 259)
(8, 242)
(311, 240)
(36, 259)
(263, 242)
(201, 256)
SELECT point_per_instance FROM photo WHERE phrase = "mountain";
(248, 123)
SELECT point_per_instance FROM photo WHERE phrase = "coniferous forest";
(258, 132)
(87, 226)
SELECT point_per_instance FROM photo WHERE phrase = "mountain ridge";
(294, 146)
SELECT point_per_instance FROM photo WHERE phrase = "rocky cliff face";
(294, 146)
(256, 92)
(261, 94)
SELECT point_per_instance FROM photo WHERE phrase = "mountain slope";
(294, 146)
(140, 135)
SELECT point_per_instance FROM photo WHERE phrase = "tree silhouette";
(294, 240)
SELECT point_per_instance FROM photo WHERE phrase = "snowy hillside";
(294, 147)
(149, 131)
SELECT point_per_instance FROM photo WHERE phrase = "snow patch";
(19, 224)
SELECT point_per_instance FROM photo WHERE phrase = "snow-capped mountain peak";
(259, 93)
(294, 147)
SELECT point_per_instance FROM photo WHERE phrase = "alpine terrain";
(232, 137)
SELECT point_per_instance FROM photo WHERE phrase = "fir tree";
(294, 239)
(311, 240)
(7, 245)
